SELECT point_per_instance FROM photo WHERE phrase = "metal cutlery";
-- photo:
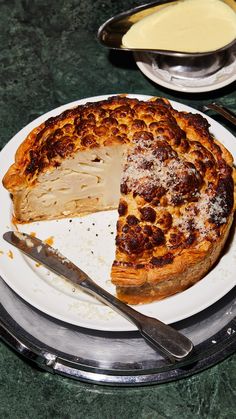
(162, 337)
(222, 110)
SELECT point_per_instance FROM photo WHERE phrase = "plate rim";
(183, 89)
(13, 143)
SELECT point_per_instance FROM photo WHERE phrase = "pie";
(172, 182)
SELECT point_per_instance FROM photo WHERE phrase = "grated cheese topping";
(146, 168)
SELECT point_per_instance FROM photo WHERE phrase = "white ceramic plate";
(89, 242)
(220, 79)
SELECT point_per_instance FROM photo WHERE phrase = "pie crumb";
(10, 254)
(49, 241)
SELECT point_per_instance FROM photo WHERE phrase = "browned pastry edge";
(136, 282)
(135, 285)
(47, 145)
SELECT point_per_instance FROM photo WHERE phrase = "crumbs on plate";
(10, 254)
(49, 241)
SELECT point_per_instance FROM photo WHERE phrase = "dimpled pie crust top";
(172, 182)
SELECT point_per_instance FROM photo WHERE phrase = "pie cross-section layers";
(173, 184)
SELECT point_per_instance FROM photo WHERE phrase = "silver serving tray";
(114, 358)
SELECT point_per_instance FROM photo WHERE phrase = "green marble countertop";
(50, 56)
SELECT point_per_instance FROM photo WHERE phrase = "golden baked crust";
(177, 188)
(85, 127)
(176, 209)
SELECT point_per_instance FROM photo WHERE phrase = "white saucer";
(221, 78)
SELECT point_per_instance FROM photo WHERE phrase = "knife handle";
(161, 336)
(222, 110)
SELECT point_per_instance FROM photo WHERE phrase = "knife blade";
(162, 337)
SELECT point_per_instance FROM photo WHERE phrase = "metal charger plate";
(114, 358)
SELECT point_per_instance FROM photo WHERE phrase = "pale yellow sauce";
(187, 26)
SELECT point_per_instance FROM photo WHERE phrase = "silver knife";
(162, 337)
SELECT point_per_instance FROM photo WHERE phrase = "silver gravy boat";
(178, 63)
